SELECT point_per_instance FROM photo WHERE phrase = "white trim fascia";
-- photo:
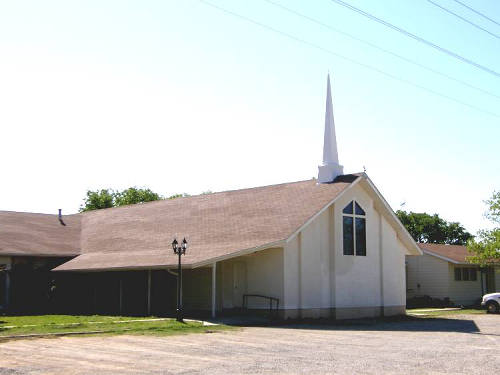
(400, 225)
(443, 257)
(292, 236)
(206, 262)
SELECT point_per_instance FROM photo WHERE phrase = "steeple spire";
(330, 167)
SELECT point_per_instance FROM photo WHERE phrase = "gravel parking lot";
(463, 344)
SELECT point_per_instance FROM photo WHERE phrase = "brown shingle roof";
(31, 234)
(216, 225)
(455, 253)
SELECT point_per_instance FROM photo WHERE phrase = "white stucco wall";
(357, 278)
(394, 288)
(262, 274)
(318, 277)
(292, 274)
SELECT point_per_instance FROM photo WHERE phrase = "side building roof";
(452, 253)
(29, 234)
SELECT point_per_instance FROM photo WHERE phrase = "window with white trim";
(354, 229)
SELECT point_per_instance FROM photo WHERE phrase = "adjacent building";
(444, 273)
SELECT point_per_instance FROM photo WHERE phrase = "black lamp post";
(179, 250)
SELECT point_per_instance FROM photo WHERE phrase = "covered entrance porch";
(219, 288)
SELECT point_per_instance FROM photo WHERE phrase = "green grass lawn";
(46, 324)
(437, 312)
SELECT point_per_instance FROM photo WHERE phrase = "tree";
(180, 195)
(134, 195)
(485, 249)
(106, 198)
(427, 228)
(98, 199)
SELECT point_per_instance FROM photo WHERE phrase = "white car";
(492, 302)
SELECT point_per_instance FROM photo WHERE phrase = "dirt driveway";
(466, 344)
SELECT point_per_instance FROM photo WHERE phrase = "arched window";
(354, 229)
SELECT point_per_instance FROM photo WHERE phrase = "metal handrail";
(271, 300)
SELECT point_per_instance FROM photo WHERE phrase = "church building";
(329, 247)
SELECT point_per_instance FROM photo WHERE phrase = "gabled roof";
(452, 253)
(23, 233)
(217, 226)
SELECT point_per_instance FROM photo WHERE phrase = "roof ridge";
(192, 196)
(36, 213)
(167, 199)
(213, 193)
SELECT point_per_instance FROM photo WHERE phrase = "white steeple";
(330, 167)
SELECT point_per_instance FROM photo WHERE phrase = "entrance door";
(239, 283)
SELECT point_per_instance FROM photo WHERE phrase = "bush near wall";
(428, 301)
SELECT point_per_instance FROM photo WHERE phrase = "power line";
(475, 11)
(417, 38)
(463, 19)
(366, 66)
(381, 49)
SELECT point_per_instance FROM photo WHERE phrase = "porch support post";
(7, 289)
(214, 287)
(149, 292)
(121, 295)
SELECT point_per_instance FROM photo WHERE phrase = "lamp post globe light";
(179, 250)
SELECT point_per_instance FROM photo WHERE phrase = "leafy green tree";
(180, 195)
(106, 198)
(134, 195)
(427, 228)
(98, 199)
(485, 249)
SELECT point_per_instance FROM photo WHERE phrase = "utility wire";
(417, 38)
(463, 19)
(475, 11)
(331, 28)
(366, 66)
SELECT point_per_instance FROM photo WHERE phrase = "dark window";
(354, 229)
(358, 210)
(465, 274)
(348, 208)
(348, 235)
(473, 274)
(360, 235)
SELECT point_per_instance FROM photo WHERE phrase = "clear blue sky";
(181, 97)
